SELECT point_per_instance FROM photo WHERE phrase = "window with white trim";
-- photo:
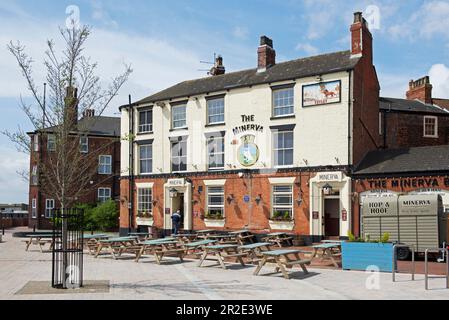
(144, 201)
(146, 121)
(179, 156)
(49, 208)
(215, 111)
(283, 102)
(51, 143)
(215, 202)
(146, 159)
(34, 176)
(84, 144)
(104, 194)
(179, 116)
(430, 127)
(105, 165)
(282, 202)
(36, 143)
(283, 148)
(34, 208)
(216, 153)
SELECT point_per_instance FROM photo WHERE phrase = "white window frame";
(49, 208)
(179, 158)
(51, 143)
(184, 120)
(281, 207)
(275, 150)
(147, 127)
(275, 107)
(212, 103)
(103, 198)
(144, 206)
(145, 159)
(215, 206)
(34, 176)
(33, 208)
(36, 143)
(84, 144)
(435, 132)
(100, 165)
(216, 153)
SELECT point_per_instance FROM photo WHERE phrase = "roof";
(98, 126)
(443, 103)
(404, 105)
(290, 70)
(420, 159)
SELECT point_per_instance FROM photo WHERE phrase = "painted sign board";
(246, 199)
(321, 93)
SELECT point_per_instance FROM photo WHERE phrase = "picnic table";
(39, 240)
(223, 238)
(140, 235)
(205, 233)
(161, 248)
(243, 236)
(327, 251)
(197, 247)
(254, 250)
(115, 244)
(283, 259)
(333, 241)
(92, 241)
(278, 238)
(186, 237)
(221, 252)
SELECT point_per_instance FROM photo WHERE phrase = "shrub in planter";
(281, 216)
(214, 215)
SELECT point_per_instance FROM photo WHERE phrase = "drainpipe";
(131, 166)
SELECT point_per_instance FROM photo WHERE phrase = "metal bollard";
(34, 229)
(426, 267)
(412, 247)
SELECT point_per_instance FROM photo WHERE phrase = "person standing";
(176, 218)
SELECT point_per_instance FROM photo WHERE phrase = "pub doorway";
(332, 217)
(178, 204)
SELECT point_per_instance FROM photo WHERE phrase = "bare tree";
(73, 88)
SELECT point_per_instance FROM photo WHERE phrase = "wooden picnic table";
(221, 252)
(197, 247)
(278, 238)
(283, 259)
(332, 241)
(92, 241)
(185, 238)
(39, 240)
(115, 244)
(140, 235)
(223, 238)
(254, 250)
(243, 236)
(161, 248)
(327, 251)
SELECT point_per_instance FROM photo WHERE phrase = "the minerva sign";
(248, 152)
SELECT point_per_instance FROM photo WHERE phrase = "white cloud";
(12, 187)
(439, 77)
(240, 33)
(393, 85)
(307, 48)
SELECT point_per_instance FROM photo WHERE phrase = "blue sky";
(165, 40)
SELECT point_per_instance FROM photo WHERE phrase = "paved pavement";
(174, 281)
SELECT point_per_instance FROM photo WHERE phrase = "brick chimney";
(361, 38)
(420, 89)
(218, 68)
(89, 113)
(266, 55)
(71, 108)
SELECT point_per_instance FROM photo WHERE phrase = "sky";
(165, 40)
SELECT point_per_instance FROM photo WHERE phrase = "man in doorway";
(176, 218)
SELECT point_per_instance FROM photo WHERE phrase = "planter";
(282, 225)
(144, 222)
(211, 223)
(359, 256)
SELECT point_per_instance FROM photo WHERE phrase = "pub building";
(269, 149)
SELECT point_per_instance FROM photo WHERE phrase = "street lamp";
(173, 193)
(327, 189)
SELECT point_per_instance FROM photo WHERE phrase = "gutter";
(131, 165)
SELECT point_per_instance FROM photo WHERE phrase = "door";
(332, 217)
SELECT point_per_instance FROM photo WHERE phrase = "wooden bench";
(282, 259)
(221, 252)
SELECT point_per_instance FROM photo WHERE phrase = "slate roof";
(290, 70)
(98, 126)
(443, 103)
(405, 105)
(421, 159)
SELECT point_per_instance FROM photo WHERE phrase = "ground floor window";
(104, 194)
(49, 208)
(144, 202)
(282, 208)
(215, 202)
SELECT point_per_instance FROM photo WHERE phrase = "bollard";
(34, 229)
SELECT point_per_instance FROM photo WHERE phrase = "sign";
(167, 211)
(248, 153)
(246, 199)
(422, 183)
(316, 215)
(321, 93)
(344, 215)
(330, 176)
(247, 126)
(176, 182)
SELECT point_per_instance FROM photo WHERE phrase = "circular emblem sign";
(248, 153)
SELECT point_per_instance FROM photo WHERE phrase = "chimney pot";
(266, 55)
(420, 89)
(264, 40)
(218, 68)
(358, 16)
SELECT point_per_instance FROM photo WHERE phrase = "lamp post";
(327, 189)
(173, 193)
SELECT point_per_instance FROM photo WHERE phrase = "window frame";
(36, 143)
(145, 159)
(141, 127)
(86, 144)
(208, 114)
(34, 175)
(49, 210)
(140, 210)
(104, 197)
(53, 139)
(222, 206)
(180, 157)
(278, 89)
(33, 208)
(435, 132)
(100, 165)
(175, 107)
(275, 193)
(277, 149)
(208, 141)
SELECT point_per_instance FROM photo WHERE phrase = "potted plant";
(361, 253)
(144, 218)
(281, 220)
(214, 219)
